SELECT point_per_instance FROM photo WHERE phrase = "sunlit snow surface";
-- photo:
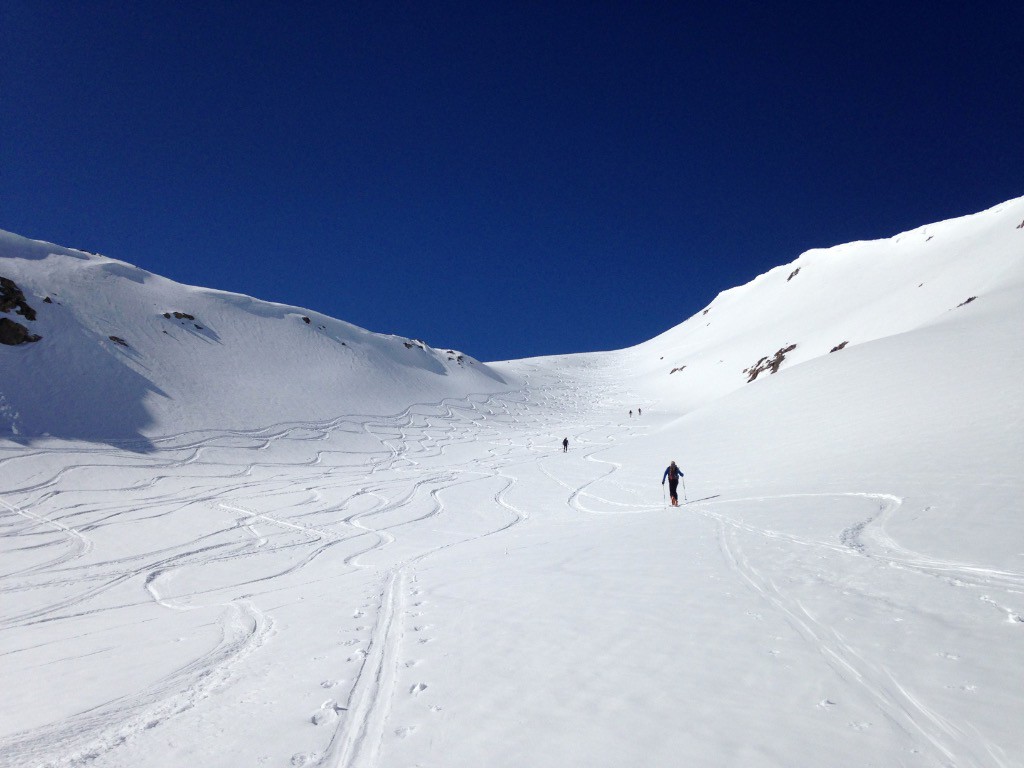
(446, 587)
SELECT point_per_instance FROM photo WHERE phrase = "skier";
(639, 411)
(672, 473)
(565, 445)
(631, 414)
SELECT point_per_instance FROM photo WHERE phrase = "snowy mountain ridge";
(828, 300)
(125, 354)
(152, 355)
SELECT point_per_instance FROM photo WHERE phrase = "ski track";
(82, 544)
(360, 737)
(85, 736)
(277, 508)
(950, 744)
(419, 434)
(370, 702)
(869, 538)
(907, 712)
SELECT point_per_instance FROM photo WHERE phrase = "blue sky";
(509, 179)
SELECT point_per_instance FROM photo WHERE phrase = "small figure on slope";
(565, 445)
(672, 474)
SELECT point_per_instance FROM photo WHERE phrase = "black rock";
(12, 333)
(11, 297)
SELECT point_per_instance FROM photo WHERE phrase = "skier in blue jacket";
(672, 474)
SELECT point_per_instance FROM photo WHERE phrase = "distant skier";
(565, 445)
(672, 474)
(631, 414)
(639, 411)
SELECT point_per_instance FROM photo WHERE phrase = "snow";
(196, 359)
(249, 544)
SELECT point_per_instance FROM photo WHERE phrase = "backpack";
(673, 472)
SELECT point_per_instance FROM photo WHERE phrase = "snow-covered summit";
(125, 354)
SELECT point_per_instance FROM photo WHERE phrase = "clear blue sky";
(510, 179)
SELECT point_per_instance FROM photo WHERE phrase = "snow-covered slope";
(126, 354)
(843, 296)
(445, 586)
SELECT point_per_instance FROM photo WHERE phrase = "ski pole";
(685, 500)
(663, 499)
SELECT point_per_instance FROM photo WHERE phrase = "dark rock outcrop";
(770, 364)
(12, 298)
(12, 333)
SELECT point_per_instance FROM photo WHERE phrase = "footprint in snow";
(859, 726)
(327, 713)
(322, 716)
(405, 731)
(826, 703)
(412, 663)
(417, 689)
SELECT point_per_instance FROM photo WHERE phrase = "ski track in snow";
(261, 508)
(81, 543)
(418, 434)
(359, 739)
(869, 538)
(80, 739)
(901, 710)
(951, 744)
